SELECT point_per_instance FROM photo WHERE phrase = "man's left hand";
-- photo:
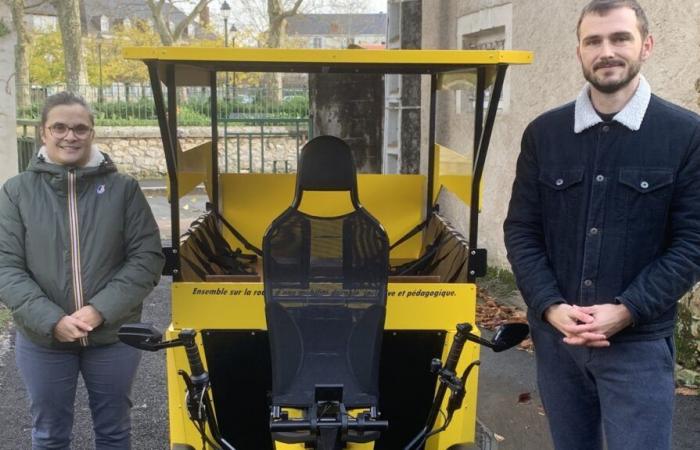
(89, 315)
(609, 318)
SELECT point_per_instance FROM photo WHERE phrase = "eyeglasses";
(60, 130)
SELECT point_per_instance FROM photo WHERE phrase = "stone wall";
(688, 339)
(138, 151)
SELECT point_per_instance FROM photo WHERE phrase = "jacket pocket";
(643, 204)
(646, 193)
(562, 194)
(646, 181)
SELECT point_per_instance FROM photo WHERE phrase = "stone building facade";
(548, 29)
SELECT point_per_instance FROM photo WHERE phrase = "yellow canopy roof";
(193, 64)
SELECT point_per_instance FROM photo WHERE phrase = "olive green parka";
(70, 237)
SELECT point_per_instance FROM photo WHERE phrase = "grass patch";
(5, 317)
(499, 283)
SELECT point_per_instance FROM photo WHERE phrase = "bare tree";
(161, 10)
(277, 17)
(21, 50)
(270, 16)
(68, 12)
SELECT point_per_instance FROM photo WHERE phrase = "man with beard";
(603, 234)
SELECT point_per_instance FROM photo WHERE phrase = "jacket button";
(600, 178)
(644, 184)
(606, 128)
(559, 182)
(594, 231)
(587, 283)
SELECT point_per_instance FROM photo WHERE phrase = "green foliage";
(296, 103)
(194, 111)
(4, 29)
(5, 317)
(46, 59)
(499, 283)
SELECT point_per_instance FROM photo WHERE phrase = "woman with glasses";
(79, 251)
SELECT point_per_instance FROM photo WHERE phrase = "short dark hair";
(64, 98)
(602, 7)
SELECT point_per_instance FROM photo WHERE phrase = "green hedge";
(194, 112)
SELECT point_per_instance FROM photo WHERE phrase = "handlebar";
(353, 424)
(460, 338)
(192, 351)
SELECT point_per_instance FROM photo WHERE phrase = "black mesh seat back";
(325, 302)
(326, 165)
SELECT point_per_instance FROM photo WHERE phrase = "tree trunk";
(167, 35)
(68, 12)
(159, 23)
(22, 83)
(277, 27)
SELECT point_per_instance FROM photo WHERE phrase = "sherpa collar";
(96, 156)
(630, 116)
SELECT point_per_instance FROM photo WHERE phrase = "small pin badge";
(100, 188)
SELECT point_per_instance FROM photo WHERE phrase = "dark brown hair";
(64, 98)
(602, 7)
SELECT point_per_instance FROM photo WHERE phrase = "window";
(486, 29)
(104, 24)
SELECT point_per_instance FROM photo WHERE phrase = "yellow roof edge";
(455, 58)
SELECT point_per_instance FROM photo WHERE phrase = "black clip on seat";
(325, 282)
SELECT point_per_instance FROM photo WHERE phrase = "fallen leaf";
(525, 397)
(498, 437)
(691, 392)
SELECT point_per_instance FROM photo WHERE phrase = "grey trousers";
(51, 378)
(622, 394)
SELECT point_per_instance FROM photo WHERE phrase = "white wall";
(8, 118)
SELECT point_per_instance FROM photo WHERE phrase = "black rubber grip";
(457, 346)
(196, 366)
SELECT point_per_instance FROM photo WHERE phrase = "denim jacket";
(608, 212)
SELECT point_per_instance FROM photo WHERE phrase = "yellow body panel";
(193, 168)
(250, 202)
(410, 306)
(454, 172)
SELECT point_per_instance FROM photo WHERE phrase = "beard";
(612, 86)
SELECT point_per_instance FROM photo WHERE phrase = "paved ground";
(504, 376)
(150, 424)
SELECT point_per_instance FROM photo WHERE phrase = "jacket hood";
(99, 163)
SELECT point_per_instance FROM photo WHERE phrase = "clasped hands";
(77, 325)
(590, 326)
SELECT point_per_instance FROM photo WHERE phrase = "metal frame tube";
(214, 144)
(431, 145)
(479, 161)
(170, 151)
(479, 109)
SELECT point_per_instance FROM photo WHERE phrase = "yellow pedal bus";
(323, 309)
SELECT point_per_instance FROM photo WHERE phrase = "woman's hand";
(70, 329)
(89, 315)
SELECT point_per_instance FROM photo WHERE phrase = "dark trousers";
(622, 394)
(51, 378)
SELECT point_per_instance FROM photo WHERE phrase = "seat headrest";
(326, 165)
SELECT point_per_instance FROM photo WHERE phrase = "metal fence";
(246, 148)
(27, 142)
(121, 104)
